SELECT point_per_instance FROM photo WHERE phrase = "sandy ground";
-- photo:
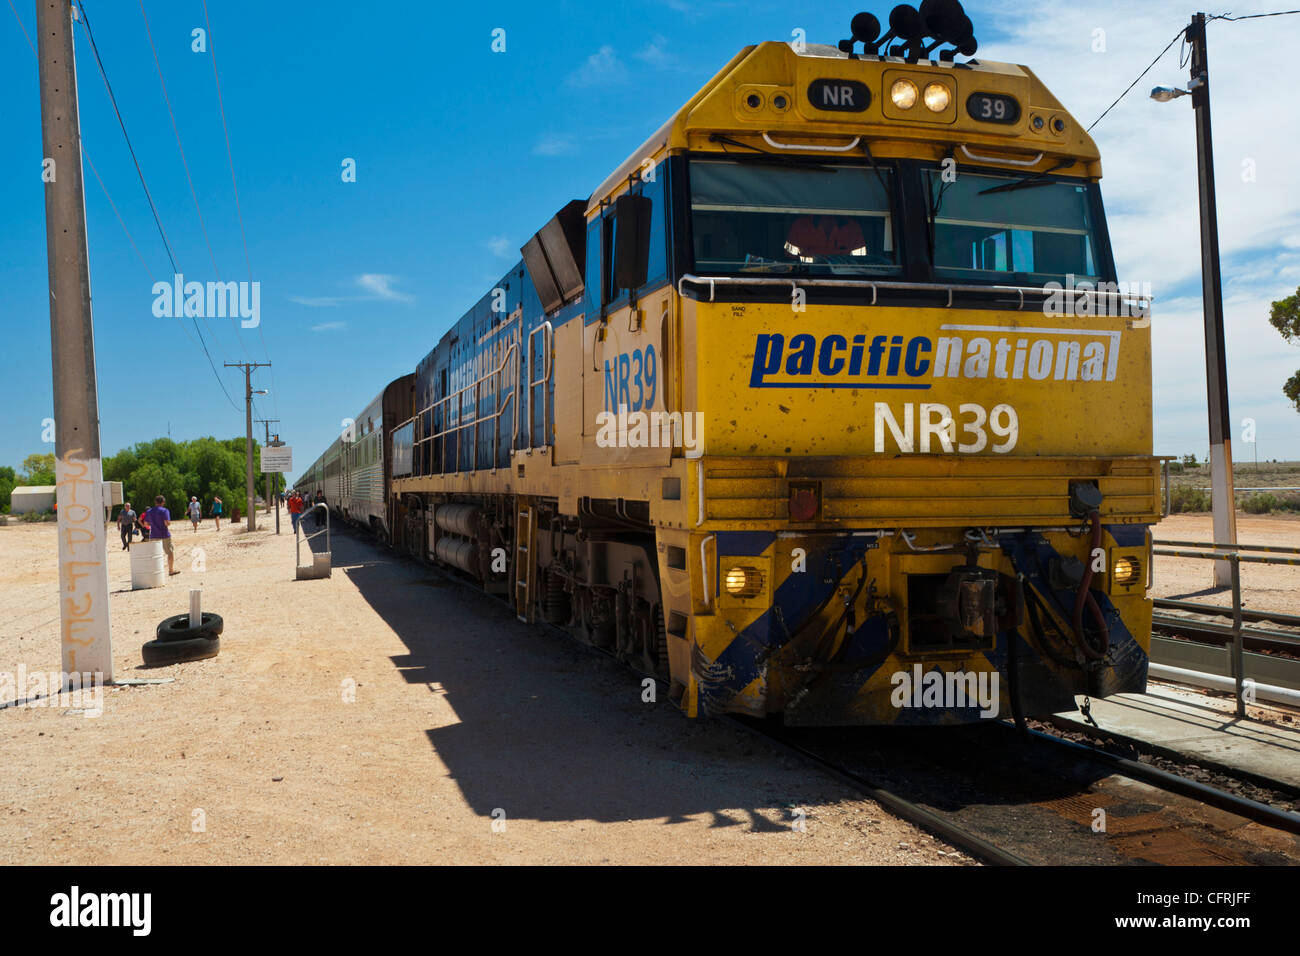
(1264, 587)
(385, 715)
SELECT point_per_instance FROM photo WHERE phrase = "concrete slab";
(1203, 728)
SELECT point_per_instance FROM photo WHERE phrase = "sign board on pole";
(277, 458)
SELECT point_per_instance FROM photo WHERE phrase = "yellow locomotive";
(825, 403)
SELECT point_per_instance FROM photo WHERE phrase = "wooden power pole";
(83, 554)
(1222, 495)
(248, 447)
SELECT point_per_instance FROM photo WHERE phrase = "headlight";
(903, 93)
(1126, 571)
(936, 97)
(743, 582)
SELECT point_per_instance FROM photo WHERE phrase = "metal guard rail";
(300, 536)
(1142, 302)
(502, 404)
(1233, 555)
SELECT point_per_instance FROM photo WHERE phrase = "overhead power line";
(239, 213)
(85, 22)
(1179, 36)
(1252, 16)
(186, 166)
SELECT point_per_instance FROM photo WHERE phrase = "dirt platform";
(385, 715)
(1264, 587)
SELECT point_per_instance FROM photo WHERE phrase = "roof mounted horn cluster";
(942, 21)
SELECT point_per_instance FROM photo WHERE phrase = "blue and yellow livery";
(828, 402)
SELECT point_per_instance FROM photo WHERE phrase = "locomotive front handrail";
(1001, 159)
(812, 147)
(1143, 302)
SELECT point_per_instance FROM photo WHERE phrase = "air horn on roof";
(943, 21)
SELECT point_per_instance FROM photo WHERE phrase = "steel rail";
(900, 806)
(1173, 783)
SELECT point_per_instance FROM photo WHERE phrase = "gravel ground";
(384, 715)
(1264, 587)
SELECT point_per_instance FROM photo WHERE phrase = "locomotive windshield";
(760, 218)
(1023, 230)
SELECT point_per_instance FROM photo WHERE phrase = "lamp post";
(248, 425)
(1223, 500)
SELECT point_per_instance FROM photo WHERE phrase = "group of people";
(153, 525)
(299, 502)
(129, 524)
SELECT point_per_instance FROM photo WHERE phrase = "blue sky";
(462, 153)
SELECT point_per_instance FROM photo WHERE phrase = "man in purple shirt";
(159, 520)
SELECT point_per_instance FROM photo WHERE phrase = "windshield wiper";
(1033, 179)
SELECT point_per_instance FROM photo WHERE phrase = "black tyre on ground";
(177, 627)
(162, 653)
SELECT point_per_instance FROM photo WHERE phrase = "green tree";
(38, 470)
(7, 481)
(1285, 317)
(176, 470)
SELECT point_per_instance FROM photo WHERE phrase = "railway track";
(1005, 800)
(1219, 631)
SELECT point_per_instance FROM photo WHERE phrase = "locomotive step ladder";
(524, 566)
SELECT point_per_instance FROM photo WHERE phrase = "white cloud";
(500, 246)
(381, 286)
(655, 53)
(553, 145)
(1148, 153)
(329, 326)
(375, 286)
(602, 68)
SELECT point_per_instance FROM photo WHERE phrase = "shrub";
(32, 516)
(1260, 503)
(1176, 468)
(1266, 502)
(1184, 499)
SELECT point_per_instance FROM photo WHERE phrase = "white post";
(196, 607)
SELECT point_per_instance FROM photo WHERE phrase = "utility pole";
(1223, 499)
(83, 551)
(270, 476)
(277, 444)
(248, 447)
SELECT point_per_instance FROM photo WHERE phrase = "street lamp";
(1163, 94)
(1216, 370)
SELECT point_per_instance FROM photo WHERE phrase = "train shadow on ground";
(952, 768)
(549, 730)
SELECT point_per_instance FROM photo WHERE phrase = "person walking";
(195, 511)
(142, 523)
(159, 520)
(126, 521)
(320, 515)
(295, 510)
(217, 508)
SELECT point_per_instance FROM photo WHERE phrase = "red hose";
(1084, 596)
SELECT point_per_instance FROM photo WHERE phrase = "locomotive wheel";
(177, 627)
(162, 653)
